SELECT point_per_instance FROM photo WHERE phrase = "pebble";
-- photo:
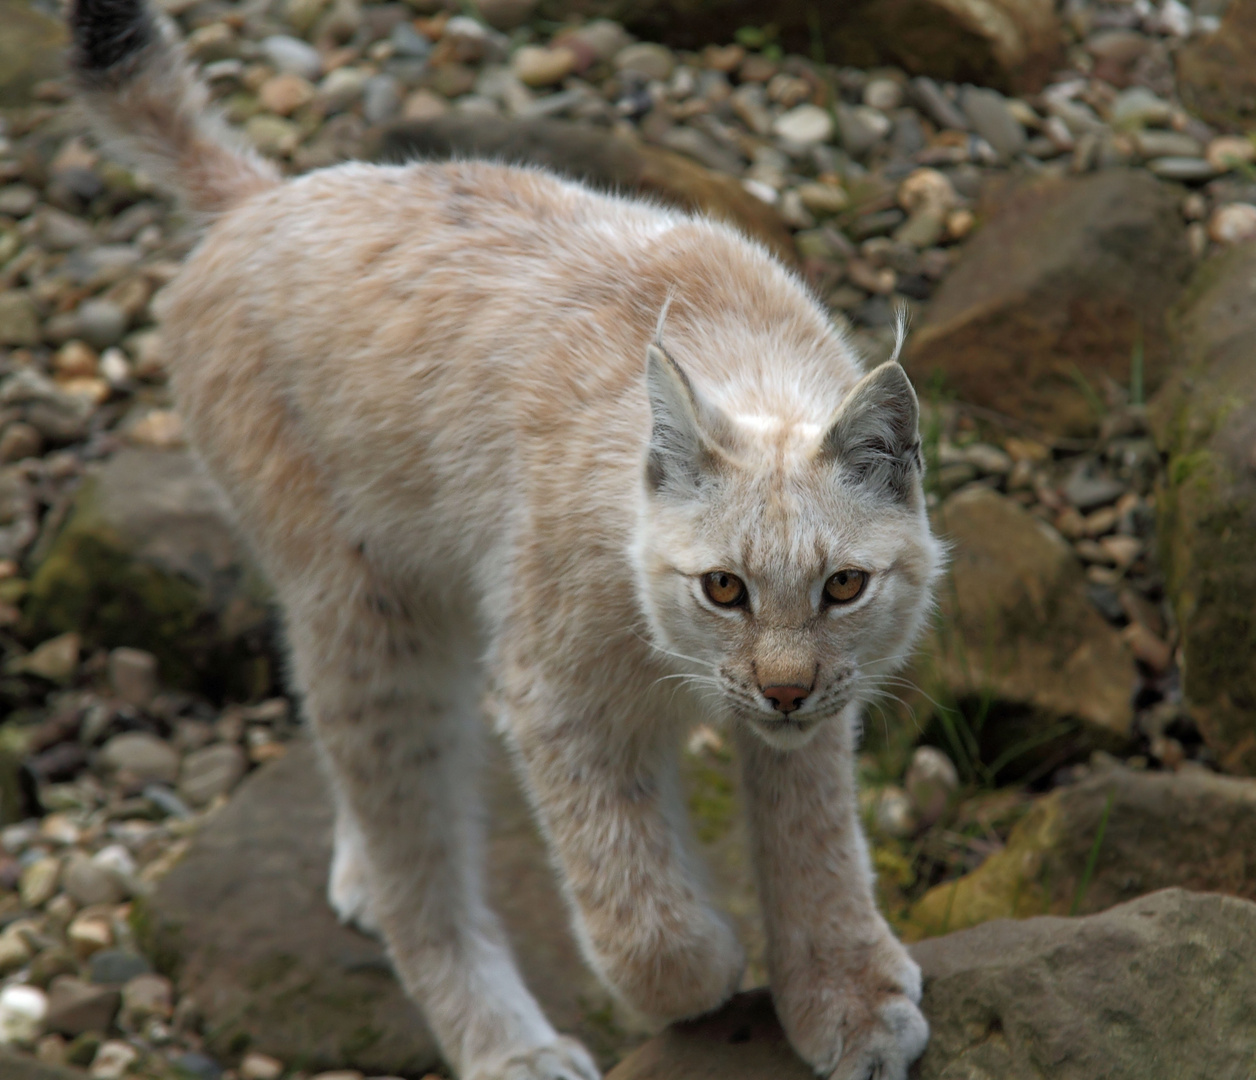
(805, 125)
(860, 128)
(286, 93)
(88, 933)
(988, 112)
(931, 782)
(883, 93)
(342, 87)
(1151, 143)
(293, 56)
(381, 99)
(1139, 107)
(75, 1007)
(1230, 151)
(602, 37)
(22, 1012)
(114, 967)
(198, 1066)
(146, 996)
(143, 756)
(15, 951)
(18, 200)
(1182, 168)
(113, 1058)
(646, 59)
(90, 880)
(133, 675)
(211, 772)
(55, 660)
(893, 813)
(940, 108)
(537, 67)
(822, 198)
(1090, 492)
(19, 320)
(1233, 223)
(101, 322)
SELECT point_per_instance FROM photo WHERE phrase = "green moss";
(712, 802)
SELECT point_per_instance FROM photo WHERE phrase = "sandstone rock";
(31, 49)
(1005, 43)
(608, 161)
(1153, 831)
(1205, 421)
(1215, 75)
(1019, 644)
(243, 919)
(147, 559)
(1158, 988)
(1066, 275)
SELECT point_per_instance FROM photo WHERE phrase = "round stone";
(537, 67)
(113, 967)
(646, 59)
(285, 93)
(22, 1010)
(805, 125)
(1230, 152)
(293, 56)
(211, 772)
(101, 323)
(1233, 223)
(144, 756)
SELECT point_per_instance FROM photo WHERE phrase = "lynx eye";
(845, 585)
(723, 588)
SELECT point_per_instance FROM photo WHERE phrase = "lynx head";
(785, 565)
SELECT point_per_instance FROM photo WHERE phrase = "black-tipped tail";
(109, 33)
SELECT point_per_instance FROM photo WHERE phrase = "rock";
(112, 1060)
(1066, 275)
(284, 94)
(31, 50)
(133, 676)
(19, 321)
(1019, 1000)
(244, 920)
(75, 1006)
(1152, 831)
(143, 756)
(536, 67)
(1011, 44)
(1233, 223)
(88, 933)
(101, 323)
(146, 996)
(1186, 169)
(147, 559)
(114, 967)
(293, 56)
(611, 162)
(805, 125)
(39, 881)
(860, 128)
(1205, 421)
(1020, 650)
(211, 772)
(22, 1011)
(255, 1066)
(505, 14)
(646, 59)
(55, 660)
(15, 1067)
(931, 783)
(1215, 76)
(993, 121)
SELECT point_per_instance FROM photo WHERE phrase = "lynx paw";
(886, 1047)
(563, 1059)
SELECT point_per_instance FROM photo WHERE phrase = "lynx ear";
(875, 436)
(684, 430)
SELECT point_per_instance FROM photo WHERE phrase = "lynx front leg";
(395, 716)
(845, 989)
(609, 803)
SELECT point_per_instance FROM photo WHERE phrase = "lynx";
(603, 468)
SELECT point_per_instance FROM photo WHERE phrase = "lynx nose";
(786, 698)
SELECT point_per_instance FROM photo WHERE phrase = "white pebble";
(294, 56)
(806, 124)
(1233, 223)
(22, 1011)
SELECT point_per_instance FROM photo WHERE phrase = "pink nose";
(786, 698)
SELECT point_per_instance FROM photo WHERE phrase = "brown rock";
(75, 1006)
(608, 161)
(1065, 278)
(1144, 831)
(1020, 649)
(1006, 43)
(1205, 420)
(1158, 989)
(243, 919)
(31, 48)
(1215, 74)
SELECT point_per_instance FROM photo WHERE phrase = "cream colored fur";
(478, 466)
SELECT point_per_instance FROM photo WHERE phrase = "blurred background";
(1064, 198)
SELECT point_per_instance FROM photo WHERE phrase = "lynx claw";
(563, 1059)
(886, 1050)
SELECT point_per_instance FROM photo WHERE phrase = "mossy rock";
(147, 559)
(1021, 674)
(1205, 422)
(1113, 837)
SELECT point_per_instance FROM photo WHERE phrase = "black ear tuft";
(875, 437)
(107, 33)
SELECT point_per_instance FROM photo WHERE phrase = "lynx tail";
(145, 98)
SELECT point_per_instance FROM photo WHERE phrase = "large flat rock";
(243, 924)
(1216, 77)
(1161, 988)
(1066, 278)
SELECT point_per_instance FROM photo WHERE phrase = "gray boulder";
(1160, 988)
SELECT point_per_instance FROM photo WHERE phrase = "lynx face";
(785, 570)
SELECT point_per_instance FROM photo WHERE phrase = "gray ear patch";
(875, 437)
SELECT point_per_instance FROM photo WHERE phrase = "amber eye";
(845, 585)
(723, 588)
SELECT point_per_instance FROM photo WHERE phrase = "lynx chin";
(497, 438)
